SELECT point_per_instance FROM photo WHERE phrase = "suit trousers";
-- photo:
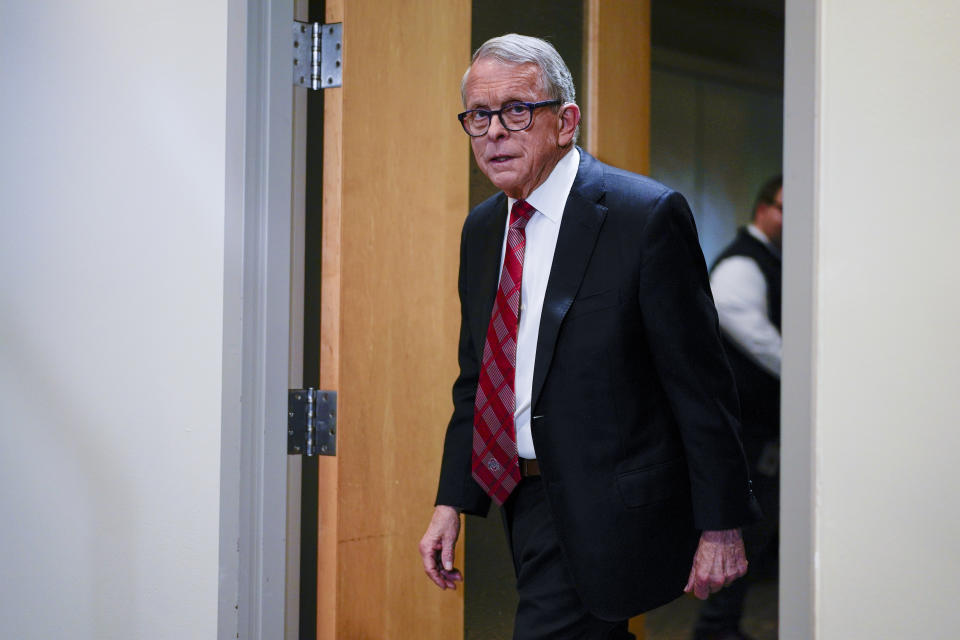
(549, 606)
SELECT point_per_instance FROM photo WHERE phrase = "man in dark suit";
(594, 401)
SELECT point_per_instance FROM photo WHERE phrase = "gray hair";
(513, 48)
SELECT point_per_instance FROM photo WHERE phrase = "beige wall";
(111, 314)
(879, 338)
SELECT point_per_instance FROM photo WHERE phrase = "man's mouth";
(500, 159)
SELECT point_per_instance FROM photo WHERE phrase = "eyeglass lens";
(514, 117)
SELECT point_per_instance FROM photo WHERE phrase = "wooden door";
(395, 192)
(617, 57)
(395, 195)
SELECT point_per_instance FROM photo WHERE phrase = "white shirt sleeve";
(740, 292)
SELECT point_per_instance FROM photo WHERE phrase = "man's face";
(517, 161)
(770, 218)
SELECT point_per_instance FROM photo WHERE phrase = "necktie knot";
(520, 214)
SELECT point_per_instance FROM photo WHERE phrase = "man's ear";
(567, 123)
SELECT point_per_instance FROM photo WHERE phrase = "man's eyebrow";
(502, 104)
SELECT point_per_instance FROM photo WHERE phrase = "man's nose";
(496, 130)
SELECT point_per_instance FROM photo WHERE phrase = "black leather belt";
(529, 468)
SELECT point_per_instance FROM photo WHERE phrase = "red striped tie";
(495, 463)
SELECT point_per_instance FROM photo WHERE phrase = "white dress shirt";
(542, 230)
(740, 292)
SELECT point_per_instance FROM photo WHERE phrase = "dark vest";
(759, 391)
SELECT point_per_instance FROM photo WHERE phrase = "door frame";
(798, 493)
(258, 170)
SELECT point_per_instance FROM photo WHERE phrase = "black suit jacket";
(634, 409)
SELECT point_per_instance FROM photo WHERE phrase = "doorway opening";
(716, 109)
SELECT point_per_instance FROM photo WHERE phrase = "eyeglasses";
(515, 116)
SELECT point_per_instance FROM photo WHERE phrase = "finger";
(426, 556)
(446, 555)
(743, 565)
(716, 584)
(698, 574)
(735, 574)
(441, 572)
(706, 572)
(437, 579)
(699, 583)
(715, 578)
(426, 553)
(726, 569)
(450, 578)
(434, 574)
(701, 589)
(736, 563)
(430, 567)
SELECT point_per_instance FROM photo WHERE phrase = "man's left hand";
(720, 559)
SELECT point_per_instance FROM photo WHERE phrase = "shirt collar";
(551, 197)
(762, 237)
(756, 233)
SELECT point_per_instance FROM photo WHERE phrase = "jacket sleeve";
(457, 487)
(680, 320)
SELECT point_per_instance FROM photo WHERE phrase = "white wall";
(112, 209)
(883, 228)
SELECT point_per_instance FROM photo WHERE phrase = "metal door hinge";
(317, 55)
(312, 422)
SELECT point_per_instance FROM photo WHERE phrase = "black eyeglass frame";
(531, 106)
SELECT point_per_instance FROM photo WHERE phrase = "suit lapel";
(583, 216)
(486, 273)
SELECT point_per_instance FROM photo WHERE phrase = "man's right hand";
(436, 547)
